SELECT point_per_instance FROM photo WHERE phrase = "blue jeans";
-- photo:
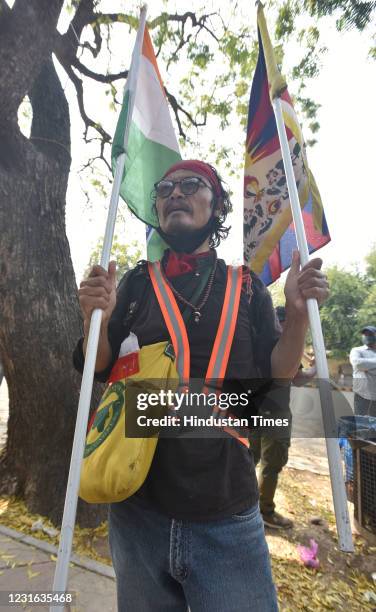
(364, 407)
(168, 565)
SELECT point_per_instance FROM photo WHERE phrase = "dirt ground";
(342, 581)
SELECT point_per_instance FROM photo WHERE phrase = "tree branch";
(80, 99)
(101, 156)
(183, 19)
(105, 18)
(97, 41)
(68, 43)
(102, 78)
(181, 44)
(176, 107)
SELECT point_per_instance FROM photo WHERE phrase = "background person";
(272, 452)
(363, 361)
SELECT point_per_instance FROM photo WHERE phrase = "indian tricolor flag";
(145, 125)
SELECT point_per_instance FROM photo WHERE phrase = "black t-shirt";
(204, 478)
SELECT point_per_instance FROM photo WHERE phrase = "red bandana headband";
(201, 168)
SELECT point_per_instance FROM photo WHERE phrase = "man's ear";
(218, 204)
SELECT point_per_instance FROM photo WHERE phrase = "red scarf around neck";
(181, 263)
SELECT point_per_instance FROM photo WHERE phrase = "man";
(363, 361)
(192, 535)
(271, 451)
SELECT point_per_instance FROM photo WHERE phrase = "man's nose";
(177, 192)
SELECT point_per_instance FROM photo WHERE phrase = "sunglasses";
(188, 186)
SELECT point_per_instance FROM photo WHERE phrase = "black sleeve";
(118, 329)
(266, 329)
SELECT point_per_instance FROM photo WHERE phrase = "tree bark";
(39, 314)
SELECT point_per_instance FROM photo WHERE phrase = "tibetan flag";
(269, 236)
(152, 144)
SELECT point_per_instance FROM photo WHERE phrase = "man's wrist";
(86, 328)
(103, 329)
(296, 318)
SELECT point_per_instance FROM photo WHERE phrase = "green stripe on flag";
(155, 247)
(146, 162)
(118, 142)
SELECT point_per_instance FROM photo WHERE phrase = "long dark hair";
(220, 230)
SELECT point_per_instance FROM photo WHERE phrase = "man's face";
(181, 213)
(368, 338)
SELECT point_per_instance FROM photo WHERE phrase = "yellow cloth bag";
(115, 466)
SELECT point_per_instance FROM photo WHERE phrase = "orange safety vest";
(223, 340)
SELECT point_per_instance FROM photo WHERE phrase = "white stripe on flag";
(151, 113)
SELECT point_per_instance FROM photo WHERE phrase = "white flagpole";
(331, 434)
(70, 506)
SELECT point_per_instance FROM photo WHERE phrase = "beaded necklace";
(196, 309)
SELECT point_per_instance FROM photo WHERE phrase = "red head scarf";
(201, 168)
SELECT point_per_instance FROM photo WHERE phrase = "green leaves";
(340, 314)
(126, 254)
(353, 14)
(200, 55)
(308, 106)
(349, 14)
(285, 23)
(367, 311)
(371, 265)
(99, 187)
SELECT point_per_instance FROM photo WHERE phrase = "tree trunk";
(39, 314)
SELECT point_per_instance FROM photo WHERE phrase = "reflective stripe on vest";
(173, 320)
(223, 342)
(226, 329)
(225, 334)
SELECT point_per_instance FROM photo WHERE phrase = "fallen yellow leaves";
(303, 589)
(26, 520)
(334, 588)
(31, 574)
(14, 514)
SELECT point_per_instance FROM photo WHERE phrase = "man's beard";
(187, 241)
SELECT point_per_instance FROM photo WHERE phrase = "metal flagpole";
(330, 427)
(70, 506)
